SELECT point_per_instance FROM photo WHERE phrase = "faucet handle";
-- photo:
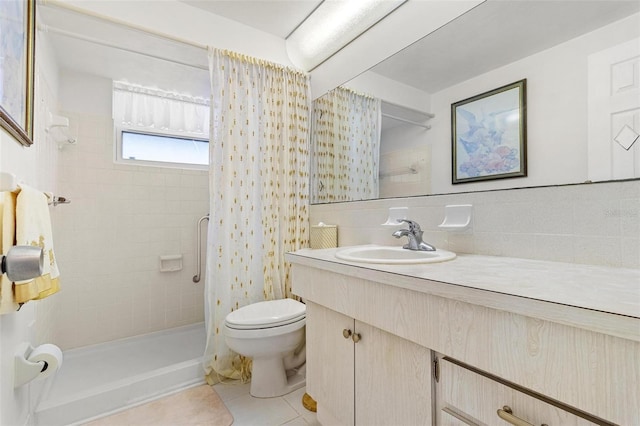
(413, 226)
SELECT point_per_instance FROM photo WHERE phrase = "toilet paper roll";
(51, 354)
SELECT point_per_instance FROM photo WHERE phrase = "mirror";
(580, 60)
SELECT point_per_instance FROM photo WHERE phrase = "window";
(159, 128)
(157, 149)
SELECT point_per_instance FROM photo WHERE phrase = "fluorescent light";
(333, 25)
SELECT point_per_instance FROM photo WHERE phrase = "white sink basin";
(392, 255)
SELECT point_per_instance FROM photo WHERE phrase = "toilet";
(272, 333)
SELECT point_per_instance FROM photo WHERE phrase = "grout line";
(289, 404)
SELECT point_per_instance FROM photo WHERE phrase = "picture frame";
(489, 135)
(17, 44)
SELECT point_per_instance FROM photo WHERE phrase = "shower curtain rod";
(70, 34)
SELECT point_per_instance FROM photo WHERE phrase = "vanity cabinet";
(471, 398)
(567, 364)
(362, 375)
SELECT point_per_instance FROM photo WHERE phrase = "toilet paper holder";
(22, 263)
(27, 370)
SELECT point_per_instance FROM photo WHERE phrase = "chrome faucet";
(414, 234)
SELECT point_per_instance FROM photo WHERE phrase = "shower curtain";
(346, 144)
(259, 192)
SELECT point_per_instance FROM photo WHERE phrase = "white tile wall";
(595, 223)
(110, 238)
(48, 154)
(36, 166)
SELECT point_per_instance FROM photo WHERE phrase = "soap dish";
(457, 217)
(171, 263)
(396, 214)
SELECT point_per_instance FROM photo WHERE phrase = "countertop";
(599, 298)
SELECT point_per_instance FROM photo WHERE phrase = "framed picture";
(17, 48)
(489, 135)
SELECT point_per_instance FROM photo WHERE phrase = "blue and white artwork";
(488, 136)
(13, 59)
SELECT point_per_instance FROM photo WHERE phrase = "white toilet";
(270, 332)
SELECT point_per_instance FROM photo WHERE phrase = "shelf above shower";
(394, 115)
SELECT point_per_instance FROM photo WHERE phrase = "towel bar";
(59, 200)
(9, 182)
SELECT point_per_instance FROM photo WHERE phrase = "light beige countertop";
(598, 298)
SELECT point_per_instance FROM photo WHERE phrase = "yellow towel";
(33, 227)
(7, 240)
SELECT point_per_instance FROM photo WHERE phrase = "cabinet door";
(392, 379)
(467, 397)
(330, 364)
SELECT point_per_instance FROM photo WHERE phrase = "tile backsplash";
(597, 223)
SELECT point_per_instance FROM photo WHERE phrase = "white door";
(614, 112)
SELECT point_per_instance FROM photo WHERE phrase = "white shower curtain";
(346, 137)
(259, 192)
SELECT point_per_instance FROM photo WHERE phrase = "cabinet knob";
(346, 333)
(506, 414)
(356, 337)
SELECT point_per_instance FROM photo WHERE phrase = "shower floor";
(102, 379)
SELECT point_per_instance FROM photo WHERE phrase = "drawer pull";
(506, 414)
(356, 337)
(346, 333)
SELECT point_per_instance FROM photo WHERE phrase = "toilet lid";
(271, 313)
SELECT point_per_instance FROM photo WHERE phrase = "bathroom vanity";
(470, 341)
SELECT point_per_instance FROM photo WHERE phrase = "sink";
(392, 255)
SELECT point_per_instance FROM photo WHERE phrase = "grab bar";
(196, 277)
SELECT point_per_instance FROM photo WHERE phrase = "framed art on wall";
(17, 48)
(489, 135)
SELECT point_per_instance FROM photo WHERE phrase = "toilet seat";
(267, 314)
(261, 333)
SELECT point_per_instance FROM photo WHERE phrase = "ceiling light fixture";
(333, 25)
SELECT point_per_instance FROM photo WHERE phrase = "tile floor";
(249, 411)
